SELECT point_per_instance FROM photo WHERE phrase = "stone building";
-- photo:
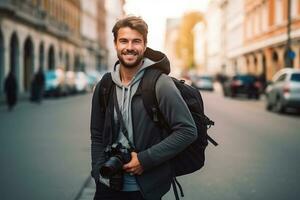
(114, 11)
(92, 49)
(214, 36)
(252, 36)
(102, 29)
(38, 34)
(266, 35)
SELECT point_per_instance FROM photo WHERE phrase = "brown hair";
(133, 22)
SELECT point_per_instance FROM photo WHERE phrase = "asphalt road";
(257, 157)
(45, 152)
(45, 149)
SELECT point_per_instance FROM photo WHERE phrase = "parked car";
(284, 90)
(55, 83)
(93, 77)
(81, 82)
(203, 82)
(70, 82)
(246, 84)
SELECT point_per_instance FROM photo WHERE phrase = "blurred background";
(243, 55)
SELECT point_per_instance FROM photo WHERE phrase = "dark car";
(242, 85)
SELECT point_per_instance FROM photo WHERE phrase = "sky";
(155, 13)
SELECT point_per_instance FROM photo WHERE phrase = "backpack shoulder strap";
(148, 93)
(106, 84)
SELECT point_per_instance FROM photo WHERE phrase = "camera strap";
(120, 119)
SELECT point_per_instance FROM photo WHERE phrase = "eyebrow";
(134, 39)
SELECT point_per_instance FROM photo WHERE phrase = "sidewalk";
(88, 190)
(21, 97)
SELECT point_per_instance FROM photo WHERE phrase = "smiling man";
(130, 152)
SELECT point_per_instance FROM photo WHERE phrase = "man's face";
(130, 47)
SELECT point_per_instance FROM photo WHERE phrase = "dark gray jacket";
(154, 147)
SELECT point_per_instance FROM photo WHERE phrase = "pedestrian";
(11, 89)
(124, 126)
(37, 87)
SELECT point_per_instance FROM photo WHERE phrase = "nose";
(129, 46)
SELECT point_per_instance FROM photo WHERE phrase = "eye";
(137, 41)
(123, 41)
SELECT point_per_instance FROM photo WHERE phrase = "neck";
(127, 74)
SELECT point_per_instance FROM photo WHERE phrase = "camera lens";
(111, 167)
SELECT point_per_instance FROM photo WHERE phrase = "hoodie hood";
(160, 60)
(152, 59)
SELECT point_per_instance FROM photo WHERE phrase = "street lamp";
(289, 54)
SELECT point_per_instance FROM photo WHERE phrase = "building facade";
(233, 41)
(102, 30)
(266, 36)
(37, 34)
(114, 11)
(256, 36)
(171, 45)
(214, 36)
(92, 51)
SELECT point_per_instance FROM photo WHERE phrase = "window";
(294, 8)
(278, 12)
(265, 17)
(295, 77)
(281, 78)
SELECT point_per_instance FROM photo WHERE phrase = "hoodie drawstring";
(125, 108)
(123, 96)
(128, 103)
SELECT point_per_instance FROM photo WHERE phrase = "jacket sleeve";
(178, 116)
(96, 128)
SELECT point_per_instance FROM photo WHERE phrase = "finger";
(127, 166)
(139, 172)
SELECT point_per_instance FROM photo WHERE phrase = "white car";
(284, 90)
(81, 82)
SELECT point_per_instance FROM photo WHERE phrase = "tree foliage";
(185, 43)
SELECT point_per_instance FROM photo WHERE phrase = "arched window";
(28, 63)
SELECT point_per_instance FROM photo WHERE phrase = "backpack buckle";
(155, 114)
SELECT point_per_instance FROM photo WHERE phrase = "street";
(45, 149)
(45, 152)
(257, 157)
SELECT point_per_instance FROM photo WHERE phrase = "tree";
(185, 43)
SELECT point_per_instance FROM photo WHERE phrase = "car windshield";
(295, 77)
(50, 75)
(207, 78)
(246, 79)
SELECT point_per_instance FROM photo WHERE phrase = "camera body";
(116, 155)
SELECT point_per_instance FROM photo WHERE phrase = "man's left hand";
(134, 166)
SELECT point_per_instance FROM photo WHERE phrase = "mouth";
(130, 56)
(130, 53)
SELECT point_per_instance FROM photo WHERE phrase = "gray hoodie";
(124, 96)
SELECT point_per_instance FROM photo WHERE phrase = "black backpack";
(192, 158)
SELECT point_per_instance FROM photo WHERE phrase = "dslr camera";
(116, 155)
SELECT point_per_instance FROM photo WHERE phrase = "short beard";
(131, 65)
